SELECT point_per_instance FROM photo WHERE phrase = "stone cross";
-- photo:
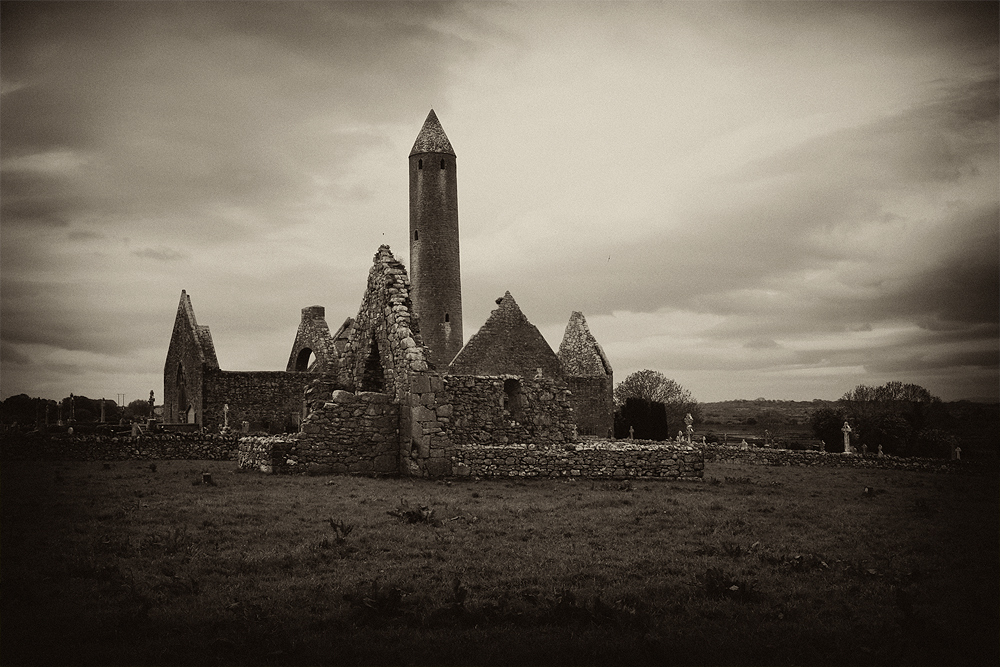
(958, 454)
(151, 404)
(822, 445)
(864, 450)
(225, 415)
(631, 432)
(847, 437)
(689, 423)
(880, 454)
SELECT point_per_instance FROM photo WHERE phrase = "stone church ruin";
(395, 389)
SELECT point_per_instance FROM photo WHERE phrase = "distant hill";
(740, 410)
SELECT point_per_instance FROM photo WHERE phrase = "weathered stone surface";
(592, 459)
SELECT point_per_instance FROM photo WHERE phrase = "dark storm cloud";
(191, 107)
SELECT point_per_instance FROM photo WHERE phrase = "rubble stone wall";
(154, 446)
(762, 456)
(603, 459)
(270, 401)
(593, 404)
(343, 433)
(506, 409)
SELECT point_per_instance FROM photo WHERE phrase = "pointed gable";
(313, 341)
(188, 334)
(579, 353)
(507, 344)
(432, 138)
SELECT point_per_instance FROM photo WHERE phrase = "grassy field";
(143, 564)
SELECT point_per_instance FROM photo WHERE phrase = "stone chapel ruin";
(396, 389)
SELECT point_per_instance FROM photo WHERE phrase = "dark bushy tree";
(648, 419)
(904, 418)
(826, 424)
(137, 409)
(655, 387)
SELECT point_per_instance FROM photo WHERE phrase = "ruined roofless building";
(405, 348)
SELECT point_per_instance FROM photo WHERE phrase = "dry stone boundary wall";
(599, 459)
(87, 447)
(787, 457)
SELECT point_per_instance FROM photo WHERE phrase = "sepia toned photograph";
(583, 332)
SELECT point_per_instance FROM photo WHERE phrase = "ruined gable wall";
(593, 404)
(589, 376)
(384, 320)
(190, 348)
(269, 400)
(314, 334)
(384, 354)
(507, 344)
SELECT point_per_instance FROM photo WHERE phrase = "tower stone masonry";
(435, 267)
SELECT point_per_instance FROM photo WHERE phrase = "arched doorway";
(305, 359)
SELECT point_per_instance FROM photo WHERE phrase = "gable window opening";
(512, 398)
(420, 164)
(442, 164)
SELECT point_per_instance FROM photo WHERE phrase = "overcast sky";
(765, 199)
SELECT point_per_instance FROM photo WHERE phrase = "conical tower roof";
(432, 138)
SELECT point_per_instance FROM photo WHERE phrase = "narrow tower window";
(416, 235)
(442, 164)
(420, 164)
(447, 317)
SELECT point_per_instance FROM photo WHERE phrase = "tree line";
(27, 412)
(905, 419)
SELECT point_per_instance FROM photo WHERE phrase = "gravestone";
(847, 437)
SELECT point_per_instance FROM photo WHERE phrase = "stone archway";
(304, 359)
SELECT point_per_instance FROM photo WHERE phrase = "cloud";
(741, 192)
(159, 254)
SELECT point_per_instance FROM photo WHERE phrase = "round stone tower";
(435, 270)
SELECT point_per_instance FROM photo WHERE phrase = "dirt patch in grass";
(141, 565)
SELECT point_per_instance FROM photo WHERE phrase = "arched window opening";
(373, 378)
(181, 406)
(420, 164)
(305, 359)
